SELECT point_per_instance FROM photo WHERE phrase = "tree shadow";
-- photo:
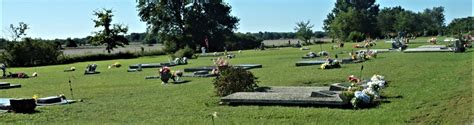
(181, 82)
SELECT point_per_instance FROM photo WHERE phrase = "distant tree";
(319, 34)
(3, 43)
(135, 37)
(70, 43)
(243, 41)
(304, 31)
(57, 44)
(111, 35)
(352, 15)
(150, 39)
(31, 52)
(461, 25)
(18, 31)
(432, 20)
(406, 22)
(386, 20)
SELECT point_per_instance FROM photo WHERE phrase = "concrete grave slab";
(210, 54)
(199, 75)
(209, 68)
(421, 50)
(288, 95)
(151, 65)
(380, 50)
(433, 46)
(319, 62)
(248, 66)
(339, 86)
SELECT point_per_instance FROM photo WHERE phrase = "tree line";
(351, 18)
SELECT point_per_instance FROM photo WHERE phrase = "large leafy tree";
(432, 20)
(390, 21)
(112, 34)
(461, 25)
(360, 14)
(406, 22)
(304, 31)
(181, 23)
(386, 20)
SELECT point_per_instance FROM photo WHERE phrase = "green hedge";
(98, 57)
(65, 59)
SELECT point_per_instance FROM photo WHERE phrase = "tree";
(303, 31)
(70, 43)
(406, 22)
(243, 41)
(461, 25)
(31, 52)
(386, 20)
(394, 20)
(433, 20)
(181, 23)
(112, 34)
(319, 34)
(360, 14)
(18, 32)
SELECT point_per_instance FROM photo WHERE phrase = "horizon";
(57, 19)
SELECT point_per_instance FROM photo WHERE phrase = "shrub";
(355, 36)
(233, 80)
(186, 52)
(31, 53)
(152, 53)
(96, 57)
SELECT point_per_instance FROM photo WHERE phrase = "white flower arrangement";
(377, 77)
(369, 94)
(377, 80)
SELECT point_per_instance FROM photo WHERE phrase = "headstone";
(4, 69)
(203, 50)
(201, 72)
(308, 63)
(23, 105)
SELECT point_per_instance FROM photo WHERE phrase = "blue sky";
(51, 19)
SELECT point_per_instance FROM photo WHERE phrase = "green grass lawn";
(426, 88)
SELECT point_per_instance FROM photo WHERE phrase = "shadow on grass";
(11, 111)
(348, 106)
(181, 82)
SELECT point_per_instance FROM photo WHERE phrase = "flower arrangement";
(323, 53)
(221, 64)
(360, 97)
(330, 64)
(115, 65)
(353, 79)
(165, 74)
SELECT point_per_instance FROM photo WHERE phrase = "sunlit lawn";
(424, 88)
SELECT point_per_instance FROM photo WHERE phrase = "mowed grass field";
(426, 88)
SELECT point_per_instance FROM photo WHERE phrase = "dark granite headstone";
(309, 63)
(23, 105)
(6, 85)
